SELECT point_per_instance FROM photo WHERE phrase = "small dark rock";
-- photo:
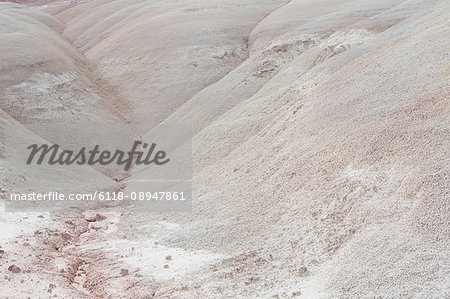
(100, 217)
(91, 218)
(14, 269)
(66, 235)
(302, 271)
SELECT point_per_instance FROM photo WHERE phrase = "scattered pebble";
(91, 218)
(166, 266)
(100, 217)
(124, 272)
(14, 269)
(168, 258)
(99, 225)
(302, 271)
(296, 294)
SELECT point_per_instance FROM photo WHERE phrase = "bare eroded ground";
(321, 146)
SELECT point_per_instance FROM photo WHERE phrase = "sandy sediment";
(320, 146)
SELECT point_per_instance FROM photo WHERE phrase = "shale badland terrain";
(320, 146)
